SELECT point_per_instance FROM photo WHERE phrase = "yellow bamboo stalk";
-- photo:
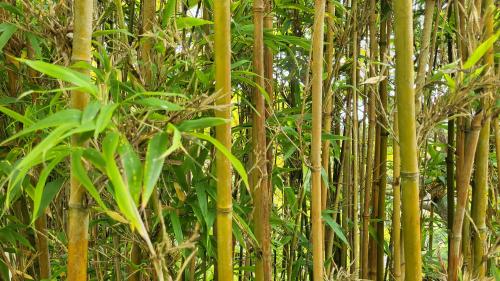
(403, 30)
(480, 203)
(78, 212)
(317, 91)
(396, 216)
(222, 44)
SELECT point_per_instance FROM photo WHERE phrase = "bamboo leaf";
(79, 172)
(480, 51)
(104, 118)
(335, 227)
(6, 30)
(41, 192)
(201, 123)
(153, 164)
(156, 103)
(132, 168)
(50, 191)
(16, 116)
(188, 22)
(63, 73)
(234, 161)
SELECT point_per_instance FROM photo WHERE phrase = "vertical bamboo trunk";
(396, 216)
(78, 211)
(317, 88)
(327, 114)
(497, 147)
(463, 180)
(346, 177)
(382, 177)
(260, 190)
(268, 76)
(355, 133)
(480, 203)
(480, 192)
(148, 20)
(371, 136)
(450, 179)
(42, 246)
(423, 58)
(403, 30)
(222, 21)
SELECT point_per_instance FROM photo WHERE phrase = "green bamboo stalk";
(480, 203)
(423, 57)
(396, 216)
(317, 91)
(222, 44)
(403, 31)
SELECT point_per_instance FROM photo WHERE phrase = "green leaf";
(335, 227)
(234, 161)
(80, 174)
(201, 123)
(480, 51)
(63, 117)
(176, 225)
(11, 9)
(16, 116)
(132, 168)
(6, 30)
(40, 190)
(157, 103)
(122, 195)
(90, 111)
(63, 73)
(176, 140)
(104, 118)
(187, 22)
(168, 12)
(50, 191)
(153, 164)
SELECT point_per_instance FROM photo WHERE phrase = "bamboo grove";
(258, 140)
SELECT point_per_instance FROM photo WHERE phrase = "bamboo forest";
(233, 140)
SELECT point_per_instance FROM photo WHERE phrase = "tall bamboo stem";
(355, 133)
(78, 211)
(370, 142)
(263, 268)
(403, 30)
(396, 216)
(317, 91)
(222, 23)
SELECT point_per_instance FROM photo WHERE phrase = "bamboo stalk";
(423, 58)
(480, 203)
(263, 268)
(396, 216)
(355, 134)
(385, 33)
(317, 89)
(370, 142)
(463, 180)
(222, 44)
(78, 211)
(403, 30)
